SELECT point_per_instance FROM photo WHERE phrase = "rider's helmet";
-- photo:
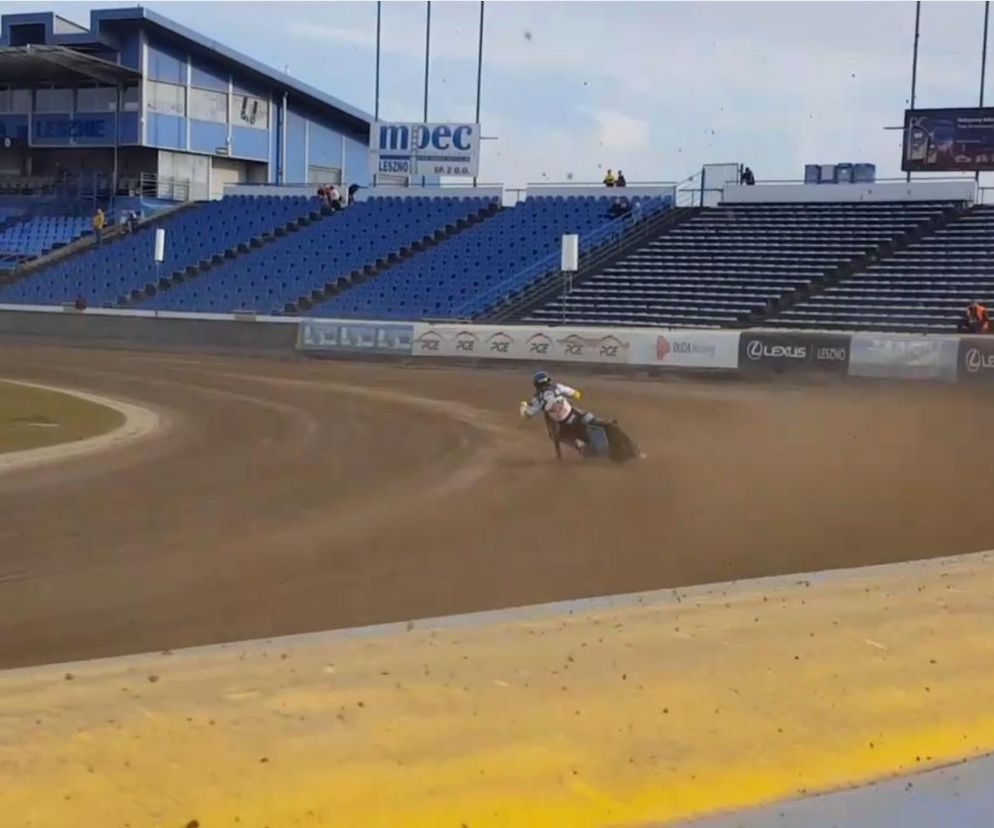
(542, 380)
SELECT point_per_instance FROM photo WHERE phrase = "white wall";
(365, 192)
(613, 192)
(888, 191)
(430, 192)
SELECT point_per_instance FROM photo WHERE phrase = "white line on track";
(139, 422)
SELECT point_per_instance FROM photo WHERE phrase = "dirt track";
(292, 496)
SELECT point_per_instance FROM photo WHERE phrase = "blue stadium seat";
(324, 253)
(193, 235)
(457, 277)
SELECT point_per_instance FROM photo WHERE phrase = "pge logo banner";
(771, 351)
(976, 359)
(522, 343)
(468, 341)
(900, 356)
(686, 349)
(425, 149)
(354, 337)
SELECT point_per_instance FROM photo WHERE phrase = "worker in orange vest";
(975, 319)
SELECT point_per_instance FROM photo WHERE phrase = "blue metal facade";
(195, 96)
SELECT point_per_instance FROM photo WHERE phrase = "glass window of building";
(53, 100)
(96, 99)
(166, 98)
(20, 100)
(250, 111)
(129, 99)
(206, 105)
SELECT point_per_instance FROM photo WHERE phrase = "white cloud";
(621, 133)
(324, 33)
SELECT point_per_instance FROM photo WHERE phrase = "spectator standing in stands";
(609, 179)
(353, 189)
(748, 178)
(334, 198)
(975, 319)
(620, 180)
(132, 221)
(99, 222)
(636, 211)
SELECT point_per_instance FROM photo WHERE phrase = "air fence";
(746, 353)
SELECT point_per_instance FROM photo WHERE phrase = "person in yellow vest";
(99, 222)
(609, 179)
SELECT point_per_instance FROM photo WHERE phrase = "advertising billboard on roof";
(946, 140)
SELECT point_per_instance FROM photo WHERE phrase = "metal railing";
(590, 243)
(885, 180)
(538, 185)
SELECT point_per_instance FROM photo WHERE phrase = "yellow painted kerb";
(641, 712)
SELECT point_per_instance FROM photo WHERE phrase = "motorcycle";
(593, 438)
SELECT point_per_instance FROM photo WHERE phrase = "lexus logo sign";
(757, 350)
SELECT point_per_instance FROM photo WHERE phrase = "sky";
(653, 88)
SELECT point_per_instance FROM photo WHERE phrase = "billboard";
(904, 356)
(522, 343)
(944, 140)
(425, 149)
(686, 349)
(976, 359)
(779, 352)
(336, 336)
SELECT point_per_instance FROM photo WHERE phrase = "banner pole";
(427, 62)
(914, 67)
(479, 73)
(983, 65)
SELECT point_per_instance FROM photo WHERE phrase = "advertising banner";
(776, 352)
(333, 335)
(522, 343)
(425, 149)
(903, 356)
(686, 349)
(943, 140)
(976, 359)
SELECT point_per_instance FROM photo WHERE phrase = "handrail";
(888, 180)
(612, 229)
(540, 288)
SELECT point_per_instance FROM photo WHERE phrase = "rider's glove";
(578, 394)
(523, 409)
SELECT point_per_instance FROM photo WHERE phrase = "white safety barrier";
(686, 349)
(522, 343)
(903, 356)
(618, 346)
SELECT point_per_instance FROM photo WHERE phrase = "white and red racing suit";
(554, 402)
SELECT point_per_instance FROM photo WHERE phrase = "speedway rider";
(553, 399)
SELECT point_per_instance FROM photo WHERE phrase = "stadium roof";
(357, 119)
(37, 65)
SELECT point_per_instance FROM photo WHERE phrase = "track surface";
(297, 496)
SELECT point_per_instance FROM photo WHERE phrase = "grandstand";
(225, 155)
(922, 287)
(319, 259)
(732, 265)
(452, 279)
